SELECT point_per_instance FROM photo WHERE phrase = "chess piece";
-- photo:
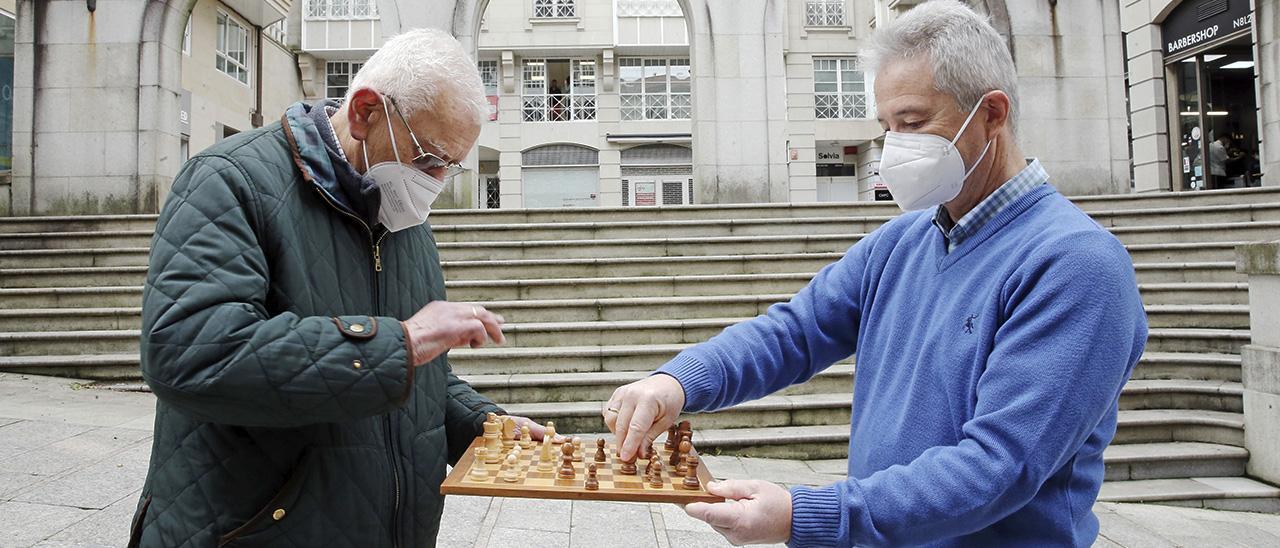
(577, 449)
(544, 458)
(655, 477)
(510, 433)
(512, 474)
(691, 474)
(600, 457)
(685, 449)
(550, 432)
(649, 453)
(493, 437)
(526, 438)
(566, 462)
(629, 467)
(477, 467)
(593, 482)
(671, 438)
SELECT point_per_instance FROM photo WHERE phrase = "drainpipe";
(255, 118)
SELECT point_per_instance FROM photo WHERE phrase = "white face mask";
(407, 193)
(924, 170)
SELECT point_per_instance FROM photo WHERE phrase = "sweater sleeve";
(209, 346)
(1074, 327)
(788, 344)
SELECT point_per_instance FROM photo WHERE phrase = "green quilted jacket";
(287, 412)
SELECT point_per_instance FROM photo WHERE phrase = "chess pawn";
(593, 483)
(600, 456)
(544, 458)
(526, 438)
(629, 467)
(655, 477)
(477, 468)
(566, 463)
(577, 449)
(512, 474)
(672, 437)
(550, 432)
(691, 475)
(685, 449)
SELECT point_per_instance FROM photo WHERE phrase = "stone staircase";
(598, 298)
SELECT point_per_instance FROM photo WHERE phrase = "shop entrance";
(1217, 118)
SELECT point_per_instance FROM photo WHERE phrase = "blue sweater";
(987, 380)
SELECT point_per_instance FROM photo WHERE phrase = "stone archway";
(159, 92)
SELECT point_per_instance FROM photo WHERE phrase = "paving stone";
(597, 516)
(503, 537)
(724, 467)
(835, 467)
(784, 471)
(675, 519)
(535, 514)
(55, 399)
(1128, 533)
(24, 524)
(80, 450)
(462, 520)
(107, 528)
(690, 539)
(25, 435)
(96, 486)
(13, 482)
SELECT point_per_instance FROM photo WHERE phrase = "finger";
(638, 425)
(733, 489)
(477, 334)
(610, 412)
(622, 419)
(493, 328)
(729, 535)
(720, 514)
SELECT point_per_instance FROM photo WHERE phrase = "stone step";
(632, 267)
(1144, 461)
(1191, 214)
(589, 310)
(75, 240)
(73, 258)
(1170, 425)
(1143, 394)
(1168, 252)
(1217, 493)
(1200, 341)
(1208, 232)
(1188, 366)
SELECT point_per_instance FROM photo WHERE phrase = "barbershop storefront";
(1212, 86)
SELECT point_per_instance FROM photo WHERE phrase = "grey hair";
(968, 56)
(426, 70)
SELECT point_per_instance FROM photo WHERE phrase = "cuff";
(815, 516)
(698, 383)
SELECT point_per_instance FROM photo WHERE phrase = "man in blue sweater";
(994, 326)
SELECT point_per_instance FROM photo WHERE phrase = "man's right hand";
(442, 325)
(638, 412)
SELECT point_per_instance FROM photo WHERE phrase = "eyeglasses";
(426, 161)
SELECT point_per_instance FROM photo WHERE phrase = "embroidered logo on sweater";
(968, 323)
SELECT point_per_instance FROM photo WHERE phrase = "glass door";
(1215, 134)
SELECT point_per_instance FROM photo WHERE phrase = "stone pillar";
(1260, 361)
(1148, 110)
(1266, 24)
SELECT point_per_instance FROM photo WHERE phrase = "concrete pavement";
(73, 458)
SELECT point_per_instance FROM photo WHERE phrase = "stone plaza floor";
(73, 459)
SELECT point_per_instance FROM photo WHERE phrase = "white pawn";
(477, 467)
(512, 474)
(577, 449)
(526, 438)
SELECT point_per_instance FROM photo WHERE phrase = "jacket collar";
(324, 167)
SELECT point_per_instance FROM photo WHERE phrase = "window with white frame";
(232, 51)
(276, 31)
(824, 13)
(839, 88)
(541, 103)
(341, 9)
(551, 9)
(489, 75)
(655, 89)
(338, 76)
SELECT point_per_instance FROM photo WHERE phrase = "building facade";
(636, 102)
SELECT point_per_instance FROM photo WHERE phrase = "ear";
(998, 107)
(363, 110)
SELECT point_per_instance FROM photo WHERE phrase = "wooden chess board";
(614, 485)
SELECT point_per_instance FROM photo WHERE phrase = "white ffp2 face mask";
(924, 170)
(406, 192)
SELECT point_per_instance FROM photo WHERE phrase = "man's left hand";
(535, 430)
(754, 512)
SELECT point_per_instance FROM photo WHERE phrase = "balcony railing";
(559, 108)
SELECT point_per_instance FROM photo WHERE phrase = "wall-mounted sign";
(493, 107)
(184, 113)
(1199, 22)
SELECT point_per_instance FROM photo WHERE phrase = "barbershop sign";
(1198, 22)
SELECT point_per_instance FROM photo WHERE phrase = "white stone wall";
(1267, 24)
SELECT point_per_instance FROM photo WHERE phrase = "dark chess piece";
(600, 457)
(685, 449)
(629, 468)
(655, 478)
(671, 438)
(566, 464)
(691, 474)
(593, 483)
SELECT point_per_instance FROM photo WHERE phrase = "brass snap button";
(278, 514)
(357, 364)
(357, 328)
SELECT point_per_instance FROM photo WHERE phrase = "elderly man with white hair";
(295, 326)
(994, 326)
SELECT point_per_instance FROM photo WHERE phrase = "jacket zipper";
(391, 440)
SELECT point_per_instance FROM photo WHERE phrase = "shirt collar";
(956, 232)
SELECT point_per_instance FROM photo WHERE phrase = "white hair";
(968, 56)
(426, 70)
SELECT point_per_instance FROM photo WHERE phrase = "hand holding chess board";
(505, 462)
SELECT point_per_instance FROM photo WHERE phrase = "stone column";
(1148, 109)
(1260, 361)
(1266, 24)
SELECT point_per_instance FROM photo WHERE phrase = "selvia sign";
(1198, 22)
